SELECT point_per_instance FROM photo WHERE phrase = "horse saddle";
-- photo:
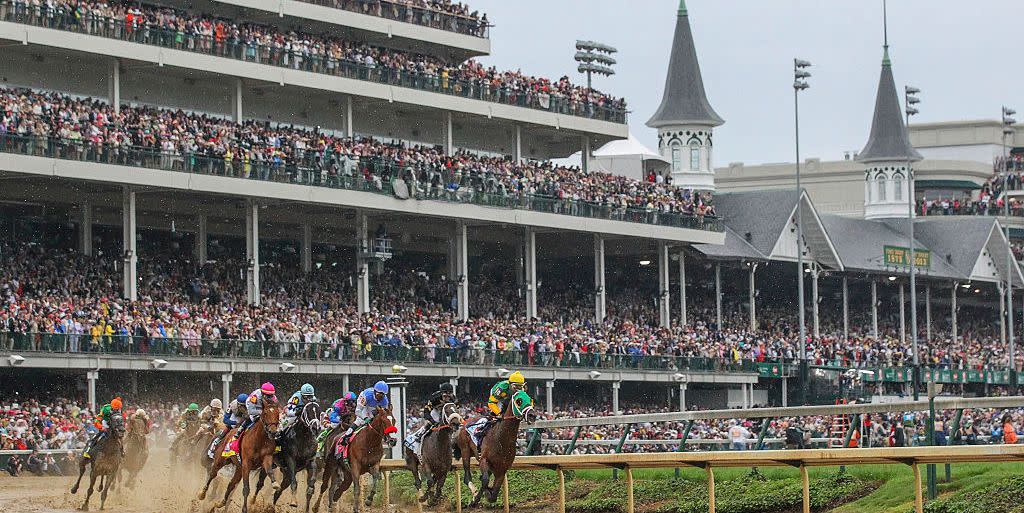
(477, 429)
(341, 446)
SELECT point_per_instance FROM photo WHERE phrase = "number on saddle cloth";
(341, 446)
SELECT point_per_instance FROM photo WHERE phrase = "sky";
(960, 54)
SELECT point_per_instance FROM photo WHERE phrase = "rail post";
(918, 495)
(760, 436)
(953, 431)
(504, 491)
(572, 443)
(458, 491)
(682, 441)
(534, 442)
(711, 488)
(933, 390)
(387, 489)
(618, 447)
(806, 482)
(630, 505)
(561, 490)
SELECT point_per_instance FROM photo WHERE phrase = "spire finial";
(885, 35)
(682, 7)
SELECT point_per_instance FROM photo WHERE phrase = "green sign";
(899, 256)
(769, 370)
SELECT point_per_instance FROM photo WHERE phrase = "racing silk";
(295, 404)
(367, 405)
(499, 393)
(186, 417)
(340, 414)
(209, 415)
(101, 418)
(254, 405)
(432, 410)
(234, 414)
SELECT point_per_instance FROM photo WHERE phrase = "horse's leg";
(499, 481)
(245, 488)
(210, 474)
(268, 466)
(413, 466)
(88, 495)
(230, 487)
(81, 471)
(259, 481)
(357, 487)
(375, 476)
(439, 478)
(286, 479)
(325, 483)
(311, 471)
(484, 478)
(105, 483)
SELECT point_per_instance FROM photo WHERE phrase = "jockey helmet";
(116, 403)
(338, 404)
(267, 388)
(307, 390)
(381, 387)
(139, 413)
(242, 398)
(517, 378)
(447, 388)
(193, 407)
(350, 396)
(216, 404)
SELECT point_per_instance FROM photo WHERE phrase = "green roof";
(947, 184)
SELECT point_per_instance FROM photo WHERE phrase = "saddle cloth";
(475, 430)
(341, 445)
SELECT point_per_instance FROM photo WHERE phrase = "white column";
(453, 267)
(815, 300)
(664, 296)
(1001, 288)
(753, 296)
(746, 399)
(903, 317)
(615, 397)
(114, 85)
(85, 231)
(92, 376)
(874, 308)
(952, 310)
(549, 397)
(252, 252)
(225, 388)
(682, 288)
(130, 281)
(449, 144)
(585, 154)
(785, 391)
(362, 264)
(454, 382)
(682, 397)
(346, 383)
(718, 294)
(349, 127)
(600, 294)
(518, 145)
(307, 248)
(462, 268)
(202, 236)
(928, 313)
(530, 265)
(236, 101)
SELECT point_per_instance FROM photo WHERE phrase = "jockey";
(432, 414)
(299, 400)
(189, 416)
(254, 408)
(232, 417)
(102, 425)
(211, 415)
(503, 391)
(366, 406)
(341, 413)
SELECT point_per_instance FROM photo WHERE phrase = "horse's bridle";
(385, 439)
(312, 423)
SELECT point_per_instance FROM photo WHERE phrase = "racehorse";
(436, 454)
(105, 462)
(135, 447)
(497, 449)
(298, 453)
(181, 447)
(256, 450)
(365, 450)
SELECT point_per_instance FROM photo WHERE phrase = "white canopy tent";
(624, 157)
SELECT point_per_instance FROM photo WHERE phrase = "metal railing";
(311, 168)
(304, 60)
(345, 352)
(433, 18)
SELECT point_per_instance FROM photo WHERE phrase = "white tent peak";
(628, 147)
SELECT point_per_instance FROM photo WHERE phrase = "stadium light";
(15, 360)
(594, 58)
(1008, 131)
(800, 76)
(892, 278)
(910, 99)
(158, 363)
(645, 262)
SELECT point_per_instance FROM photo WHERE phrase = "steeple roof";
(684, 101)
(889, 140)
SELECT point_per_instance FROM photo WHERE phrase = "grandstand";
(206, 194)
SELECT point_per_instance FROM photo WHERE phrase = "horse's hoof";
(472, 487)
(85, 507)
(422, 498)
(202, 495)
(74, 489)
(276, 487)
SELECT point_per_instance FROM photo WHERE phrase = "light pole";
(910, 100)
(1008, 130)
(594, 58)
(800, 74)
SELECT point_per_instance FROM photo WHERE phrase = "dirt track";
(159, 491)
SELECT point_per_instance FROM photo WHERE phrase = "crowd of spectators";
(181, 140)
(328, 54)
(442, 14)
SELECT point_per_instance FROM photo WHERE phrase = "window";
(677, 156)
(694, 156)
(897, 182)
(881, 181)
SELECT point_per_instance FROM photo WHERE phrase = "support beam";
(85, 231)
(874, 308)
(462, 269)
(517, 147)
(682, 397)
(252, 252)
(600, 294)
(530, 268)
(92, 376)
(350, 131)
(928, 314)
(449, 143)
(1002, 313)
(202, 240)
(718, 296)
(664, 296)
(952, 310)
(815, 300)
(585, 153)
(225, 388)
(549, 401)
(114, 85)
(753, 297)
(846, 310)
(236, 101)
(785, 391)
(346, 383)
(362, 264)
(903, 316)
(615, 397)
(307, 248)
(682, 288)
(130, 280)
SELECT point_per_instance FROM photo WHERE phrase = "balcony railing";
(344, 352)
(309, 169)
(432, 18)
(302, 60)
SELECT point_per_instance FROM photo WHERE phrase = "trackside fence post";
(806, 482)
(682, 441)
(618, 447)
(711, 488)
